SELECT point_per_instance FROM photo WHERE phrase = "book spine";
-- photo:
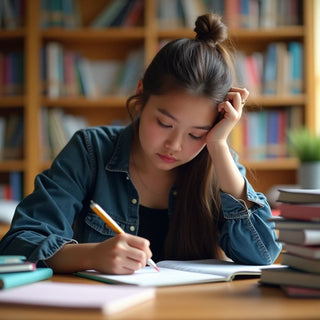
(11, 280)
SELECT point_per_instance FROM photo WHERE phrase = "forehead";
(184, 108)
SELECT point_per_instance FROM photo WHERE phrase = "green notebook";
(10, 280)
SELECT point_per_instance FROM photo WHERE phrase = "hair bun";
(210, 28)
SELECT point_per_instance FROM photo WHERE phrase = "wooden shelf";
(274, 34)
(89, 34)
(12, 165)
(83, 102)
(272, 164)
(12, 101)
(12, 34)
(117, 43)
(272, 101)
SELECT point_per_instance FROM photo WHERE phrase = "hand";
(229, 112)
(122, 254)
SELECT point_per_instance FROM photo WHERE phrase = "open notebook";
(179, 273)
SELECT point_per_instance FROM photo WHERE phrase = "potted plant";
(305, 145)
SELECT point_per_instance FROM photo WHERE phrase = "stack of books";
(299, 231)
(15, 271)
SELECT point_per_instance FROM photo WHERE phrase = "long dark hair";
(201, 67)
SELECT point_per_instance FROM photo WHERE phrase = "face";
(173, 128)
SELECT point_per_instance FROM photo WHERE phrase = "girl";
(169, 179)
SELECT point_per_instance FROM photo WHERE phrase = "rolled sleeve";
(43, 221)
(246, 235)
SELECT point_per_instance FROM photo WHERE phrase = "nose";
(173, 142)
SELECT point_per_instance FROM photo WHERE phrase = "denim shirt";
(94, 165)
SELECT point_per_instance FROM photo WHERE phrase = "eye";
(163, 124)
(195, 137)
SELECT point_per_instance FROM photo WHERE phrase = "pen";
(114, 226)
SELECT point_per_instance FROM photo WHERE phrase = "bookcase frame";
(263, 174)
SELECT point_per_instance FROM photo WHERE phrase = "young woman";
(169, 179)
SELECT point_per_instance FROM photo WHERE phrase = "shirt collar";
(119, 160)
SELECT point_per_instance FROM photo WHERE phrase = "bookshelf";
(116, 43)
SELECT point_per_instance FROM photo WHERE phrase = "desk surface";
(239, 299)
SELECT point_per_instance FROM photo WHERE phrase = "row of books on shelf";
(11, 136)
(175, 13)
(236, 13)
(66, 73)
(277, 71)
(259, 135)
(263, 134)
(67, 14)
(57, 128)
(12, 14)
(299, 231)
(11, 73)
(11, 188)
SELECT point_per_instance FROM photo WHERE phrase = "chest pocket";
(98, 230)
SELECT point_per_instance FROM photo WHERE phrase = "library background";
(67, 64)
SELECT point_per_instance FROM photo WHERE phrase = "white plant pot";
(309, 175)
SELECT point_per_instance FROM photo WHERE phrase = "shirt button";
(134, 201)
(127, 177)
(132, 228)
(174, 193)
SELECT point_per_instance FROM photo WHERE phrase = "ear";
(139, 87)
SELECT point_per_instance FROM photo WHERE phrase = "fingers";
(123, 254)
(242, 93)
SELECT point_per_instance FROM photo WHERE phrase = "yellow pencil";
(113, 225)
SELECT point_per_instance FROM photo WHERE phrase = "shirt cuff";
(237, 208)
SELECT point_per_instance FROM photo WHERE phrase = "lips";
(166, 158)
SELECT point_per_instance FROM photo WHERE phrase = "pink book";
(310, 212)
(301, 292)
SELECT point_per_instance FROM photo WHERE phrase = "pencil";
(114, 226)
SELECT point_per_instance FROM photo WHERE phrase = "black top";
(153, 225)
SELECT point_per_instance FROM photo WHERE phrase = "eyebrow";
(166, 113)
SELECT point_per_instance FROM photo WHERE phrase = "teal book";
(16, 279)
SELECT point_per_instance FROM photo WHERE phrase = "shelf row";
(85, 29)
(70, 14)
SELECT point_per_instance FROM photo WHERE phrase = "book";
(300, 292)
(312, 252)
(270, 70)
(299, 195)
(15, 181)
(301, 263)
(13, 140)
(17, 267)
(134, 16)
(283, 223)
(7, 209)
(303, 236)
(299, 211)
(108, 14)
(296, 66)
(4, 259)
(290, 276)
(173, 273)
(10, 280)
(106, 299)
(54, 69)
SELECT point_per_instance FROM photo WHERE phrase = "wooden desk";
(239, 299)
